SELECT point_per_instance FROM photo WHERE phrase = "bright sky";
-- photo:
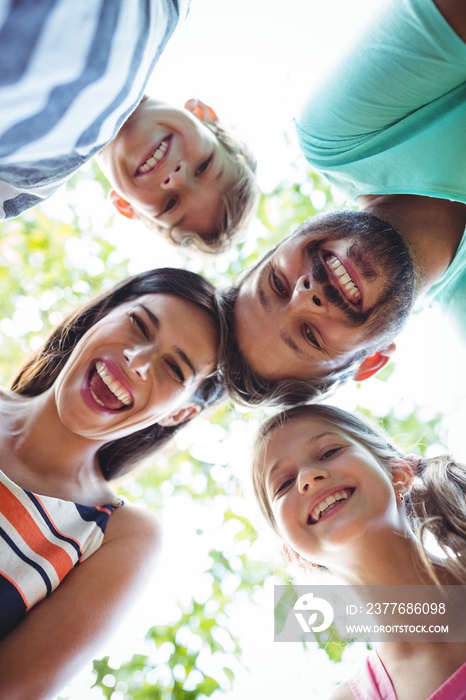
(252, 60)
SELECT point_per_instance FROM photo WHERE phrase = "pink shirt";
(372, 682)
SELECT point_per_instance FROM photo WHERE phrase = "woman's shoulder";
(131, 522)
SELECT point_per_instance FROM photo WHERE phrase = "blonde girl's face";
(325, 490)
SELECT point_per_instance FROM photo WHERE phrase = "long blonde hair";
(435, 504)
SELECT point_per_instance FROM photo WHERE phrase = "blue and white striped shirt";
(71, 72)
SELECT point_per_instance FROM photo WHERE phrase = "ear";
(201, 110)
(402, 474)
(122, 205)
(181, 415)
(372, 364)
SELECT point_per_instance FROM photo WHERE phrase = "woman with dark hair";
(111, 384)
(341, 497)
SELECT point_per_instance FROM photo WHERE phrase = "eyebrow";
(309, 441)
(183, 356)
(153, 318)
(181, 353)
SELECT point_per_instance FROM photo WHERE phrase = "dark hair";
(42, 368)
(247, 386)
(435, 503)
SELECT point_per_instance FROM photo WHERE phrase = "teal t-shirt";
(390, 118)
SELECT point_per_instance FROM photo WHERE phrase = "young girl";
(342, 497)
(111, 384)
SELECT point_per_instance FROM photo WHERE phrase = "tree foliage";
(48, 265)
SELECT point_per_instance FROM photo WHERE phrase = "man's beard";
(372, 251)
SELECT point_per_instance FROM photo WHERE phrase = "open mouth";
(106, 390)
(328, 504)
(344, 281)
(155, 158)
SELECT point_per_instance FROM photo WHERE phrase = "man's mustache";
(330, 292)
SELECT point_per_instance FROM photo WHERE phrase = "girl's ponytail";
(436, 504)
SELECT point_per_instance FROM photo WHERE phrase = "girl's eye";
(170, 204)
(279, 287)
(139, 323)
(330, 453)
(176, 371)
(283, 487)
(204, 166)
(309, 335)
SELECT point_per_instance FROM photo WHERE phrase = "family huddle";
(124, 372)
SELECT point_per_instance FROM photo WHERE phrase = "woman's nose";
(138, 361)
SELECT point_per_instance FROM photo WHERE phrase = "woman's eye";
(283, 487)
(170, 204)
(204, 166)
(176, 371)
(311, 337)
(139, 323)
(329, 453)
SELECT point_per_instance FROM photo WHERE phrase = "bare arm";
(454, 12)
(62, 633)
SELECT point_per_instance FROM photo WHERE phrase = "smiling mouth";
(346, 285)
(106, 390)
(327, 504)
(154, 158)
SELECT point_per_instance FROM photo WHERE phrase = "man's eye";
(280, 288)
(311, 337)
(170, 204)
(204, 166)
(139, 323)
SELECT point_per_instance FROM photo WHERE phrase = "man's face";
(321, 300)
(170, 167)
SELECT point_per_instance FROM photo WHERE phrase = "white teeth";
(154, 158)
(323, 506)
(344, 278)
(113, 384)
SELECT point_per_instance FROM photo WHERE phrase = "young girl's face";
(325, 490)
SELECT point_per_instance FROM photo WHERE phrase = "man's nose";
(176, 177)
(308, 292)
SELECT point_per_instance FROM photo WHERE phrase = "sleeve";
(405, 58)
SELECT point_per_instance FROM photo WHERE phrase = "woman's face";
(325, 489)
(137, 366)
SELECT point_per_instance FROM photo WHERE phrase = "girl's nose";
(308, 475)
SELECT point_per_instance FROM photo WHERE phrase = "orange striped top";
(41, 540)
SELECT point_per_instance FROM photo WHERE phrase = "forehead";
(294, 432)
